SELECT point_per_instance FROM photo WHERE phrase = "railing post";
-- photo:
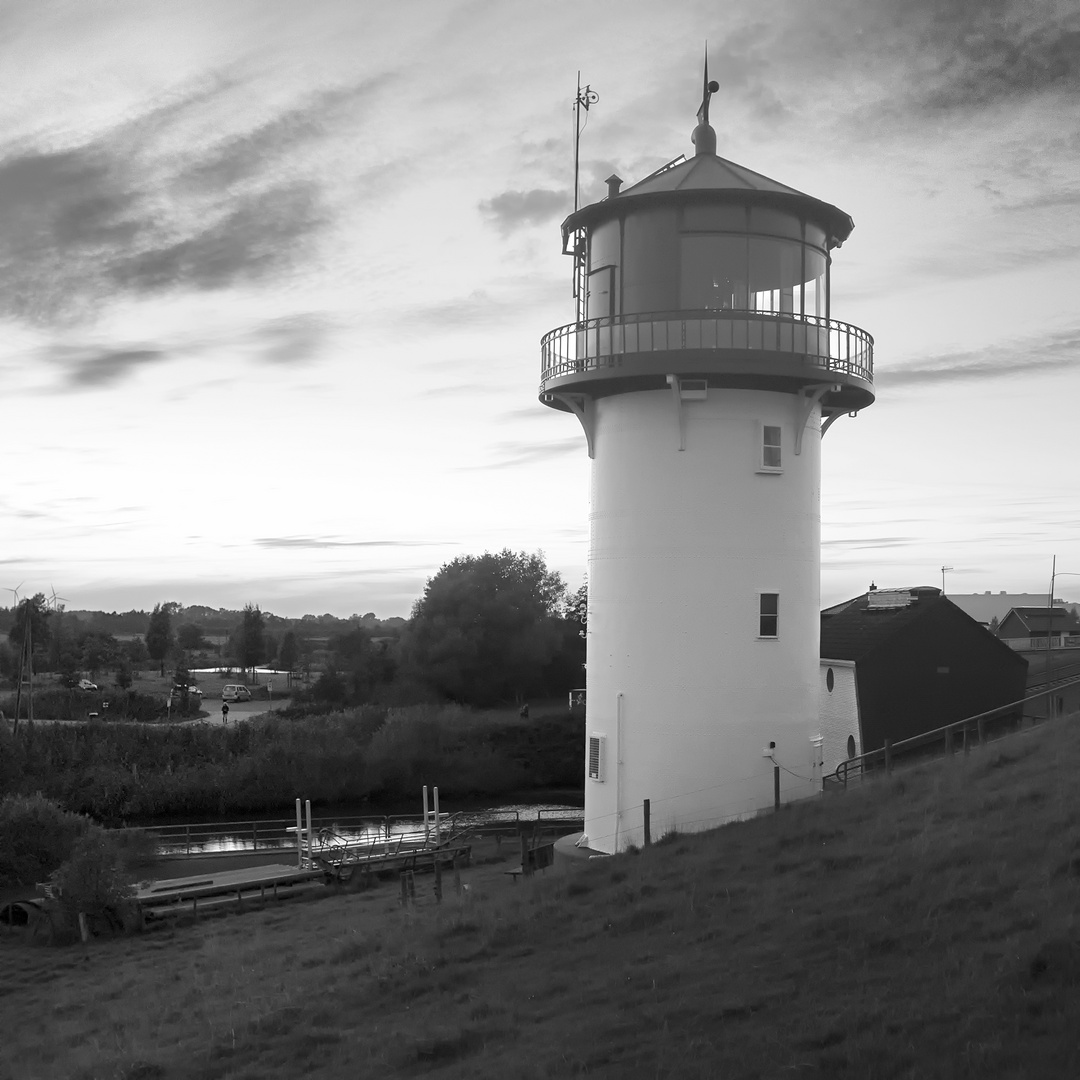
(948, 740)
(888, 756)
(776, 787)
(647, 815)
(982, 732)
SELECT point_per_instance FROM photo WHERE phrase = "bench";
(533, 859)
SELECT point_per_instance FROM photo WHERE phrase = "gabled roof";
(1040, 619)
(851, 630)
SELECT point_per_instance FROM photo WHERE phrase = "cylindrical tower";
(704, 367)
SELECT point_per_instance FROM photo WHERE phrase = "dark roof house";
(920, 662)
(1038, 622)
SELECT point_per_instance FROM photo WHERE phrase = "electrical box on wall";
(597, 747)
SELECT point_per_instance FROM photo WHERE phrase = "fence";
(961, 734)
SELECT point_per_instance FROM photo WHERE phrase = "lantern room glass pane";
(775, 274)
(712, 273)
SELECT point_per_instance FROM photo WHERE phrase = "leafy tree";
(250, 644)
(364, 663)
(190, 637)
(123, 676)
(135, 652)
(487, 626)
(159, 635)
(99, 650)
(31, 615)
(578, 607)
(289, 653)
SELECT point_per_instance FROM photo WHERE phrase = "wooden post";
(457, 876)
(982, 732)
(647, 814)
(888, 756)
(776, 787)
(438, 878)
(948, 740)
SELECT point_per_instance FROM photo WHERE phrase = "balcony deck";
(758, 350)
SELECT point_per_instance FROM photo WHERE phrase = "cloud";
(292, 340)
(152, 205)
(90, 367)
(512, 454)
(1057, 352)
(313, 542)
(513, 210)
(871, 542)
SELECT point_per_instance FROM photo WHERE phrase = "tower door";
(601, 293)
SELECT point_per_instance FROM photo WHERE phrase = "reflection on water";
(235, 836)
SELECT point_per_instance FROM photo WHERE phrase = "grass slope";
(921, 926)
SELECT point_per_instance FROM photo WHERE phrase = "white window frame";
(762, 446)
(764, 615)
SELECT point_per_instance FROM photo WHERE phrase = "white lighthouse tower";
(704, 366)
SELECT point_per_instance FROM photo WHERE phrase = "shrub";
(93, 880)
(36, 837)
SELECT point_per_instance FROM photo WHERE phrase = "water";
(274, 834)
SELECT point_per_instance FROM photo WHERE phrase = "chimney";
(614, 182)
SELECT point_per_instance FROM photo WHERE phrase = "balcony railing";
(834, 347)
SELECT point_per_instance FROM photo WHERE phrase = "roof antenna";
(704, 137)
(586, 96)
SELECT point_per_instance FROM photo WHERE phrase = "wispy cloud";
(509, 455)
(513, 210)
(314, 542)
(1057, 352)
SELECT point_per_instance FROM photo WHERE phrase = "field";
(923, 925)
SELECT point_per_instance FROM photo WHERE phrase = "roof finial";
(704, 137)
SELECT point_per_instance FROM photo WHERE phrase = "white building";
(704, 366)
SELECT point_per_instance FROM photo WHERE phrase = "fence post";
(982, 732)
(948, 740)
(776, 787)
(648, 831)
(438, 879)
(888, 756)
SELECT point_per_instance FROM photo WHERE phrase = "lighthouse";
(705, 365)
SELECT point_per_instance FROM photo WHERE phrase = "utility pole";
(944, 571)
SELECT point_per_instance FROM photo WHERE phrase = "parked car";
(235, 692)
(86, 684)
(193, 691)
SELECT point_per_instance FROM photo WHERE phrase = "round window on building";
(830, 681)
(851, 746)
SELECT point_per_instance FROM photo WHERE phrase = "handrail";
(858, 764)
(605, 342)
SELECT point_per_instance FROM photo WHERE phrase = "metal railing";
(579, 347)
(961, 734)
(242, 837)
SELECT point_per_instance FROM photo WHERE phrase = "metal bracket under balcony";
(754, 350)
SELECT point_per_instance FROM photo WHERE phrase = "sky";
(273, 278)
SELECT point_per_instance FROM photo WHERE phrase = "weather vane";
(708, 89)
(586, 96)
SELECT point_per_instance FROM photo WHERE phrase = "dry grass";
(923, 926)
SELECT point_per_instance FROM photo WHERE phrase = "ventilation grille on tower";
(596, 757)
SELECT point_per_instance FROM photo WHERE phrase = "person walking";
(224, 712)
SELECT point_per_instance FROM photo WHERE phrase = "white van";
(235, 692)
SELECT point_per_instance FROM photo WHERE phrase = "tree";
(159, 635)
(250, 645)
(99, 651)
(190, 637)
(31, 615)
(578, 607)
(289, 652)
(487, 626)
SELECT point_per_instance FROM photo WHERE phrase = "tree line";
(488, 629)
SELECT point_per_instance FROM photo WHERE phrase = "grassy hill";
(920, 926)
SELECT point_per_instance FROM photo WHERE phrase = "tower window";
(768, 614)
(596, 757)
(770, 447)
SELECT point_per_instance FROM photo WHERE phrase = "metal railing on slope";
(960, 733)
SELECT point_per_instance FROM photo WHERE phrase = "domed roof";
(706, 176)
